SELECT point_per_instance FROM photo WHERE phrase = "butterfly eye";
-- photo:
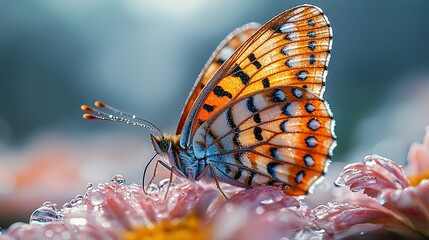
(165, 145)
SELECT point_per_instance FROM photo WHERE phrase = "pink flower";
(118, 211)
(391, 205)
(418, 160)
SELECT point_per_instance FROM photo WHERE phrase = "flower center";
(416, 179)
(189, 227)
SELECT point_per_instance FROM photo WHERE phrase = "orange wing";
(291, 49)
(219, 56)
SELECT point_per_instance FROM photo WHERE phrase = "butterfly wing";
(279, 136)
(291, 49)
(219, 56)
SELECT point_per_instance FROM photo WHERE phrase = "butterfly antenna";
(120, 116)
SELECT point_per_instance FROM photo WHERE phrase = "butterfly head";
(161, 145)
(167, 147)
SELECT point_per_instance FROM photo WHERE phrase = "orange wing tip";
(89, 116)
(87, 108)
(99, 104)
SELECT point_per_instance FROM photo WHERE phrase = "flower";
(187, 211)
(418, 160)
(381, 201)
(389, 203)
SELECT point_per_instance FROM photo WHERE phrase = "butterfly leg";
(154, 174)
(214, 176)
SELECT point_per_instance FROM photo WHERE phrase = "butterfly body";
(256, 113)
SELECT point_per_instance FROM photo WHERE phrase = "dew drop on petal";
(267, 201)
(89, 186)
(164, 184)
(321, 211)
(259, 210)
(118, 179)
(44, 215)
(47, 204)
(65, 235)
(76, 200)
(49, 233)
(95, 198)
(67, 205)
(340, 182)
(152, 188)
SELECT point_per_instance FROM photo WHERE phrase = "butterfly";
(256, 114)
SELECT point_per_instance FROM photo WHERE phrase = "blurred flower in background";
(143, 56)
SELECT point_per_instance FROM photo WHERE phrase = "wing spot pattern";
(311, 34)
(308, 160)
(250, 179)
(257, 118)
(299, 176)
(311, 142)
(283, 126)
(220, 92)
(313, 124)
(311, 45)
(266, 83)
(302, 75)
(257, 131)
(255, 62)
(273, 152)
(230, 119)
(297, 93)
(208, 107)
(279, 96)
(312, 59)
(237, 72)
(250, 103)
(271, 168)
(309, 108)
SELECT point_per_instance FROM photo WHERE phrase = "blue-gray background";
(143, 57)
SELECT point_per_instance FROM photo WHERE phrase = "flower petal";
(375, 174)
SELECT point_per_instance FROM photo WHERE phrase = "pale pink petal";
(263, 213)
(410, 204)
(352, 220)
(111, 209)
(375, 174)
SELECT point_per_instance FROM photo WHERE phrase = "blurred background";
(144, 56)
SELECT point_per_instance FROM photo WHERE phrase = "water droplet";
(95, 198)
(89, 186)
(340, 182)
(100, 186)
(65, 235)
(260, 210)
(321, 211)
(164, 183)
(76, 200)
(152, 188)
(118, 179)
(67, 205)
(267, 201)
(48, 204)
(44, 215)
(49, 233)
